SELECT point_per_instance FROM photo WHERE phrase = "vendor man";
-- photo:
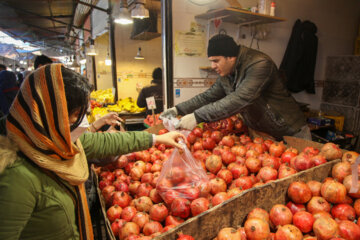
(249, 84)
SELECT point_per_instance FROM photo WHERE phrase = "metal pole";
(112, 49)
(167, 52)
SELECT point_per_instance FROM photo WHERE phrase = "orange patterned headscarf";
(38, 122)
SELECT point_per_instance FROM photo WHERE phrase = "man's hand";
(187, 122)
(169, 113)
(170, 138)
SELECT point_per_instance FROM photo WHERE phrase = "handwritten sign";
(150, 101)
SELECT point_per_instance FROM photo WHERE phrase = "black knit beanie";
(222, 45)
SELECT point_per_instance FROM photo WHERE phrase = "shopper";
(41, 61)
(2, 67)
(155, 90)
(249, 83)
(43, 166)
(8, 90)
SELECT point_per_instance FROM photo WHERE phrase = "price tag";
(150, 101)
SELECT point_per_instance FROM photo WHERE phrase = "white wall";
(337, 23)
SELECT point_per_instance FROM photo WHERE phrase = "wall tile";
(342, 93)
(343, 68)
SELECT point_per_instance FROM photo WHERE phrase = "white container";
(264, 6)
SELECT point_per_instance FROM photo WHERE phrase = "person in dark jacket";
(41, 61)
(249, 84)
(155, 90)
(8, 90)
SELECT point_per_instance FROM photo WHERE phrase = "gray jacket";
(256, 91)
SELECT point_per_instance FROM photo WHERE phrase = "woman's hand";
(170, 138)
(111, 119)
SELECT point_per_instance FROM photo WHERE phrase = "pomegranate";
(304, 221)
(267, 173)
(226, 175)
(315, 187)
(143, 190)
(113, 213)
(325, 228)
(155, 196)
(213, 163)
(238, 150)
(348, 183)
(357, 207)
(341, 170)
(317, 204)
(287, 156)
(121, 198)
(228, 234)
(276, 149)
(271, 161)
(321, 214)
(299, 192)
(158, 212)
(303, 162)
(136, 173)
(199, 205)
(117, 225)
(280, 215)
(343, 212)
(349, 230)
(217, 185)
(311, 151)
(191, 138)
(239, 170)
(180, 207)
(151, 228)
(171, 220)
(141, 219)
(216, 136)
(184, 237)
(219, 198)
(253, 164)
(128, 213)
(243, 183)
(129, 229)
(331, 151)
(333, 191)
(133, 186)
(228, 157)
(170, 195)
(121, 161)
(228, 141)
(233, 192)
(208, 143)
(286, 171)
(256, 229)
(259, 213)
(287, 232)
(318, 159)
(295, 207)
(350, 157)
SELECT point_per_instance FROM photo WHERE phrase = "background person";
(8, 90)
(41, 61)
(43, 166)
(249, 84)
(155, 89)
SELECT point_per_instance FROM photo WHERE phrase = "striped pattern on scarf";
(38, 122)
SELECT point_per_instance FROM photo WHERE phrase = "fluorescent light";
(91, 50)
(83, 61)
(123, 17)
(140, 11)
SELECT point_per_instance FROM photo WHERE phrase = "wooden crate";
(233, 212)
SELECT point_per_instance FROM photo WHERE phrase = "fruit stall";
(253, 188)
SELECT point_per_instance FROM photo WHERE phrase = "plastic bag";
(181, 176)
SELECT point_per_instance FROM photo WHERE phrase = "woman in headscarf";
(43, 165)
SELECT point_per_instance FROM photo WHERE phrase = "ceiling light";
(123, 17)
(91, 50)
(140, 11)
(108, 60)
(138, 55)
(83, 61)
(29, 68)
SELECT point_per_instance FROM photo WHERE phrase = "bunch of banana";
(103, 96)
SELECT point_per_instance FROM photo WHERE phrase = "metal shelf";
(238, 16)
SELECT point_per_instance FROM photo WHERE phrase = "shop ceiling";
(48, 23)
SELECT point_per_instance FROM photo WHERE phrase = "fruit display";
(103, 96)
(233, 164)
(233, 124)
(315, 210)
(149, 120)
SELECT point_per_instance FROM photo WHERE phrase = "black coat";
(155, 89)
(298, 64)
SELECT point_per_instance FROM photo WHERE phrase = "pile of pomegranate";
(233, 164)
(316, 211)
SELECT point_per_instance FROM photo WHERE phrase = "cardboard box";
(321, 121)
(233, 212)
(338, 121)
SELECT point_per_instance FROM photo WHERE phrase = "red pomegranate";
(295, 207)
(129, 229)
(199, 205)
(226, 175)
(141, 218)
(172, 220)
(267, 173)
(152, 227)
(331, 151)
(158, 212)
(219, 198)
(348, 183)
(256, 228)
(350, 157)
(333, 191)
(287, 232)
(325, 228)
(180, 207)
(259, 213)
(286, 171)
(341, 170)
(117, 225)
(317, 204)
(184, 237)
(303, 162)
(321, 214)
(276, 149)
(315, 187)
(318, 159)
(304, 221)
(217, 185)
(253, 164)
(113, 213)
(228, 234)
(239, 170)
(299, 192)
(343, 212)
(349, 230)
(287, 156)
(280, 215)
(128, 213)
(213, 163)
